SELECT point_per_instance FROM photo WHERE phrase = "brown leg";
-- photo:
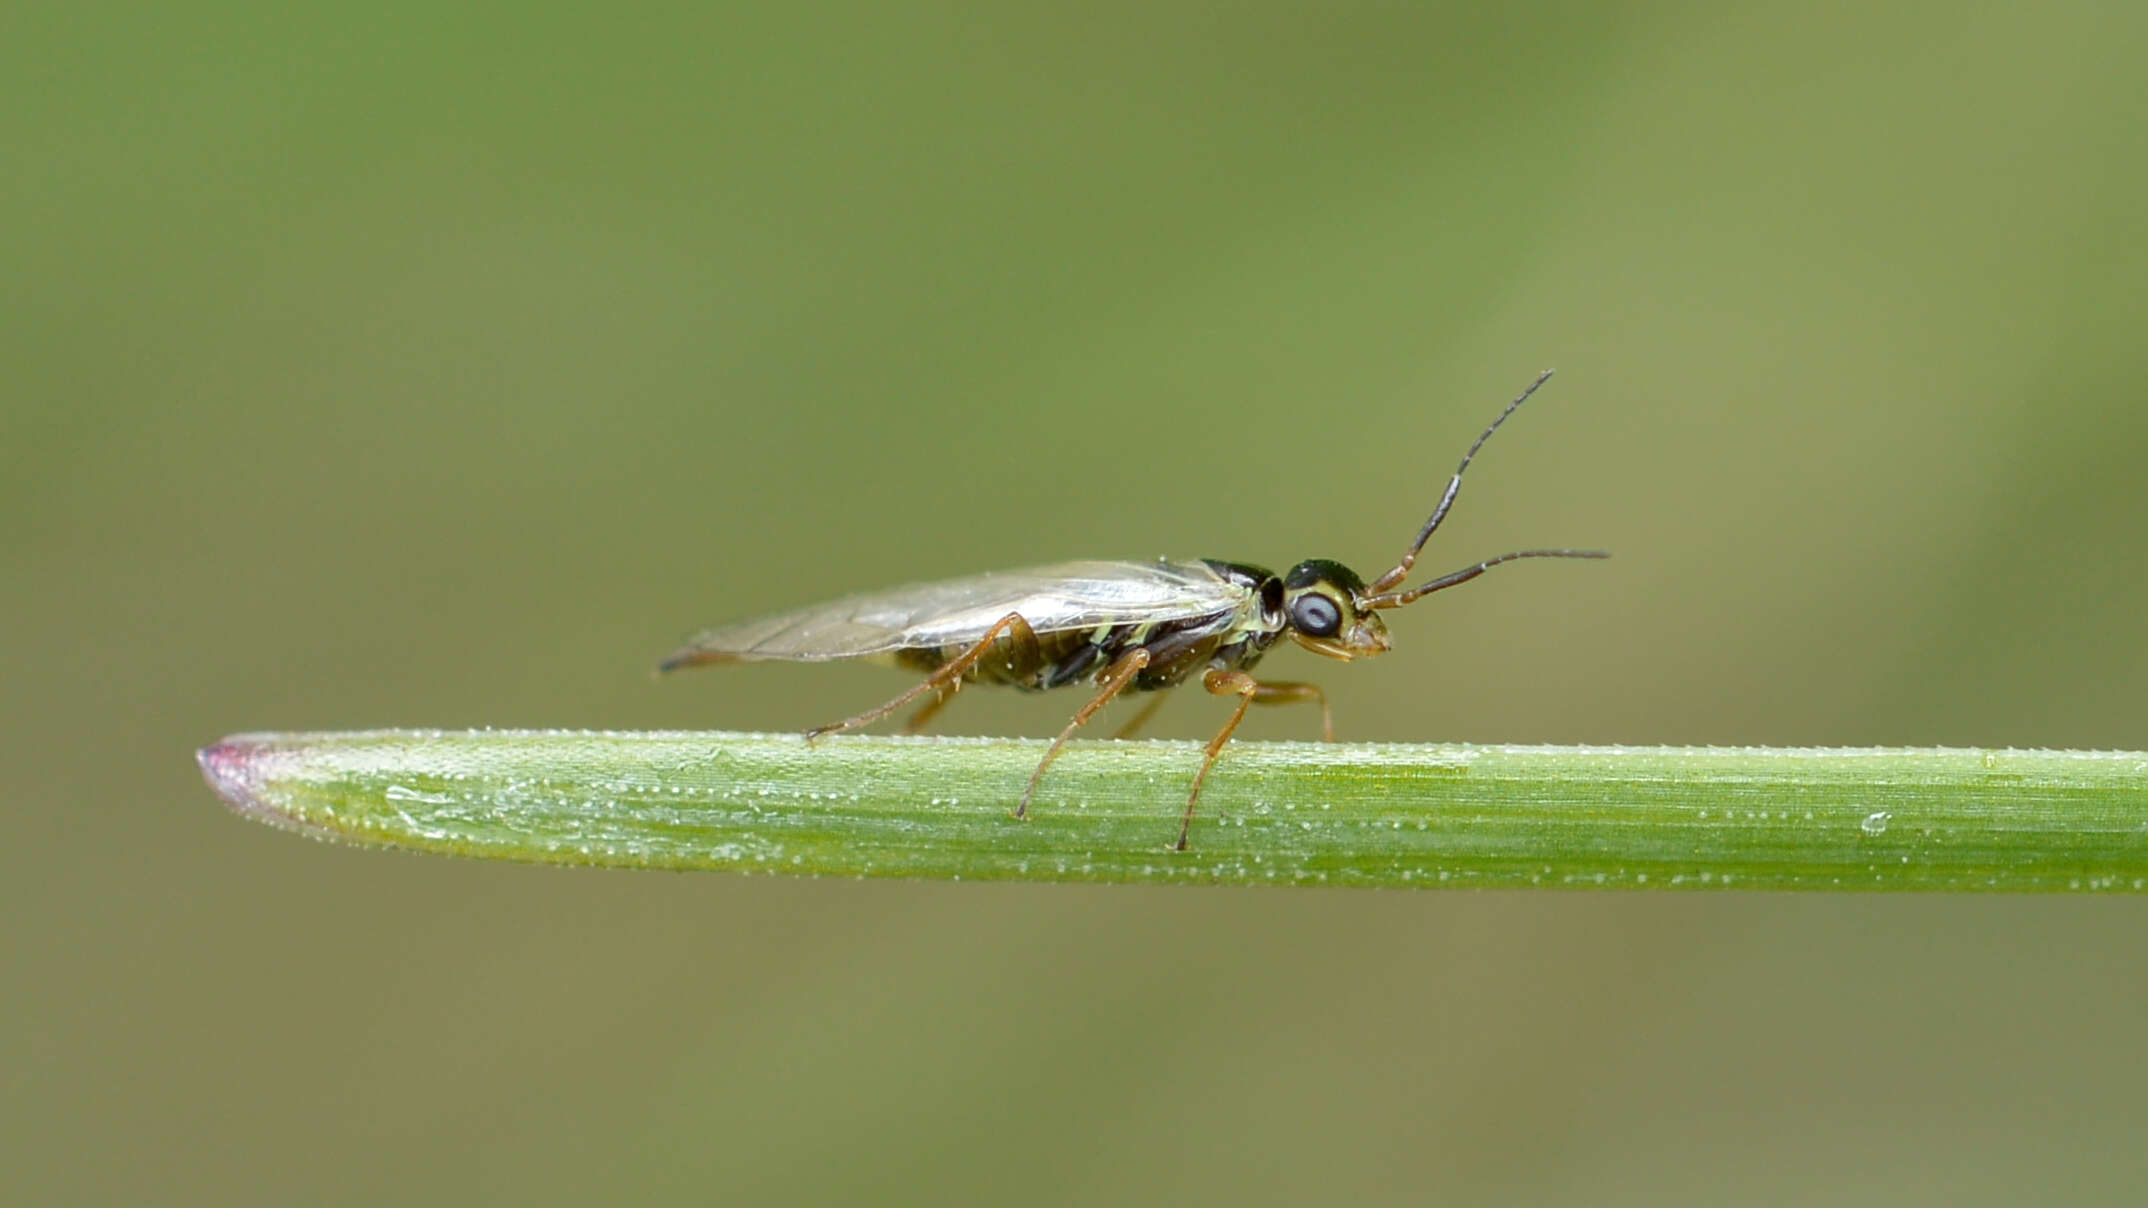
(1249, 691)
(944, 680)
(1279, 693)
(1218, 683)
(931, 709)
(1115, 677)
(1138, 720)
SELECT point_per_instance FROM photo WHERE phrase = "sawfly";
(1114, 627)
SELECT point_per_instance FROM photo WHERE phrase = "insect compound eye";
(1315, 615)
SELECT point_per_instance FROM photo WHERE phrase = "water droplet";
(1875, 823)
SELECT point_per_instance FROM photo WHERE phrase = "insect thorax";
(1232, 640)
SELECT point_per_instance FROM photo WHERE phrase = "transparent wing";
(1071, 595)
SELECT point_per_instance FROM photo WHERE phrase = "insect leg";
(1218, 683)
(1141, 718)
(923, 717)
(947, 675)
(1280, 693)
(1115, 677)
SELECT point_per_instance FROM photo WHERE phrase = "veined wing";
(955, 612)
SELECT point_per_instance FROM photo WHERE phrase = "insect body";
(1118, 626)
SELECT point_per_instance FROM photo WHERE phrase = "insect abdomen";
(1039, 662)
(1032, 662)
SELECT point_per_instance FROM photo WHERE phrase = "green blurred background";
(420, 366)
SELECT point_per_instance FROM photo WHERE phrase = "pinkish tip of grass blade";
(239, 770)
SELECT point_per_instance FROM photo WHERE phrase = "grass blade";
(1273, 813)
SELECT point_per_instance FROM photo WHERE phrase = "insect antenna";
(1454, 487)
(1398, 598)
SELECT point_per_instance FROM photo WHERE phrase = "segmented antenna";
(1454, 487)
(1398, 598)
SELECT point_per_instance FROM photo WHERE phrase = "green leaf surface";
(1272, 814)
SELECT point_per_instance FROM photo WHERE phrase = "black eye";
(1315, 615)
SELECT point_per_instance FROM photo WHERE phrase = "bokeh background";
(440, 366)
